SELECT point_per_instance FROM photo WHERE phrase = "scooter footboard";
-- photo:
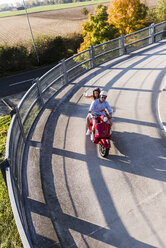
(105, 142)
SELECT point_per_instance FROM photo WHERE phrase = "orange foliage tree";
(127, 15)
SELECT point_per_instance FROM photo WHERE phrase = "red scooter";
(102, 133)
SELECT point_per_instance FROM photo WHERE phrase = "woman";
(96, 95)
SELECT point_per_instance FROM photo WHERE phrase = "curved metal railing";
(43, 89)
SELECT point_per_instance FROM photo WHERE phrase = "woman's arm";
(90, 96)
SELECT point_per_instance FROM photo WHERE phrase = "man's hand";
(102, 110)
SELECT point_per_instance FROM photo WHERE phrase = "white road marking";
(21, 82)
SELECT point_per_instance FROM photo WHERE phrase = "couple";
(98, 107)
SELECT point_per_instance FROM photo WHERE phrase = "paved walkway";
(75, 198)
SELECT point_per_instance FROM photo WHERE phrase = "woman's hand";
(85, 94)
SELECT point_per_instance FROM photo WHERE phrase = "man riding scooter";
(100, 107)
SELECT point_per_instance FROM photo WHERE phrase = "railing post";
(92, 56)
(122, 46)
(151, 33)
(64, 70)
(39, 90)
(20, 123)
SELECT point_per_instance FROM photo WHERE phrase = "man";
(100, 107)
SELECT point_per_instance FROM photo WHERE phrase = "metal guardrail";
(43, 89)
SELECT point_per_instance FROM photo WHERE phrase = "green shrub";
(50, 49)
(13, 58)
(72, 43)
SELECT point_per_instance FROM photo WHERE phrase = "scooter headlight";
(105, 119)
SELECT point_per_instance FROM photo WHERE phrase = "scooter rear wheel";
(103, 151)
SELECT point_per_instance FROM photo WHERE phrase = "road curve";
(94, 202)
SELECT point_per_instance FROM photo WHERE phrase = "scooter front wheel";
(103, 151)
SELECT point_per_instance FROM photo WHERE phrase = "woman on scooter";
(96, 95)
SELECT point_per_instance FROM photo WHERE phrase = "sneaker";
(88, 132)
(92, 136)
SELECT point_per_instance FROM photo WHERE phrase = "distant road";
(20, 82)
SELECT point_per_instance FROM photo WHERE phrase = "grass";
(9, 237)
(50, 7)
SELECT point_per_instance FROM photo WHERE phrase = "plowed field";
(57, 22)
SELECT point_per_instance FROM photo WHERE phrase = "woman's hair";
(98, 90)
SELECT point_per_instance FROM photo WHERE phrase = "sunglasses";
(104, 97)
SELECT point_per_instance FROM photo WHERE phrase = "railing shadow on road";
(62, 221)
(125, 164)
(156, 171)
(134, 67)
(138, 159)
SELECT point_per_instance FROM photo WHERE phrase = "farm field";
(50, 8)
(15, 29)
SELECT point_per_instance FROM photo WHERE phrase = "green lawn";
(9, 237)
(51, 7)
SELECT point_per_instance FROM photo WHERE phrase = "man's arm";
(108, 107)
(92, 108)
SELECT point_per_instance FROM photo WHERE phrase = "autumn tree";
(161, 10)
(97, 29)
(127, 15)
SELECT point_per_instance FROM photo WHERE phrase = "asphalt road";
(20, 82)
(94, 202)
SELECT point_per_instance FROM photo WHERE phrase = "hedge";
(50, 50)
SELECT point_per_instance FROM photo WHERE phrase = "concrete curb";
(160, 107)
